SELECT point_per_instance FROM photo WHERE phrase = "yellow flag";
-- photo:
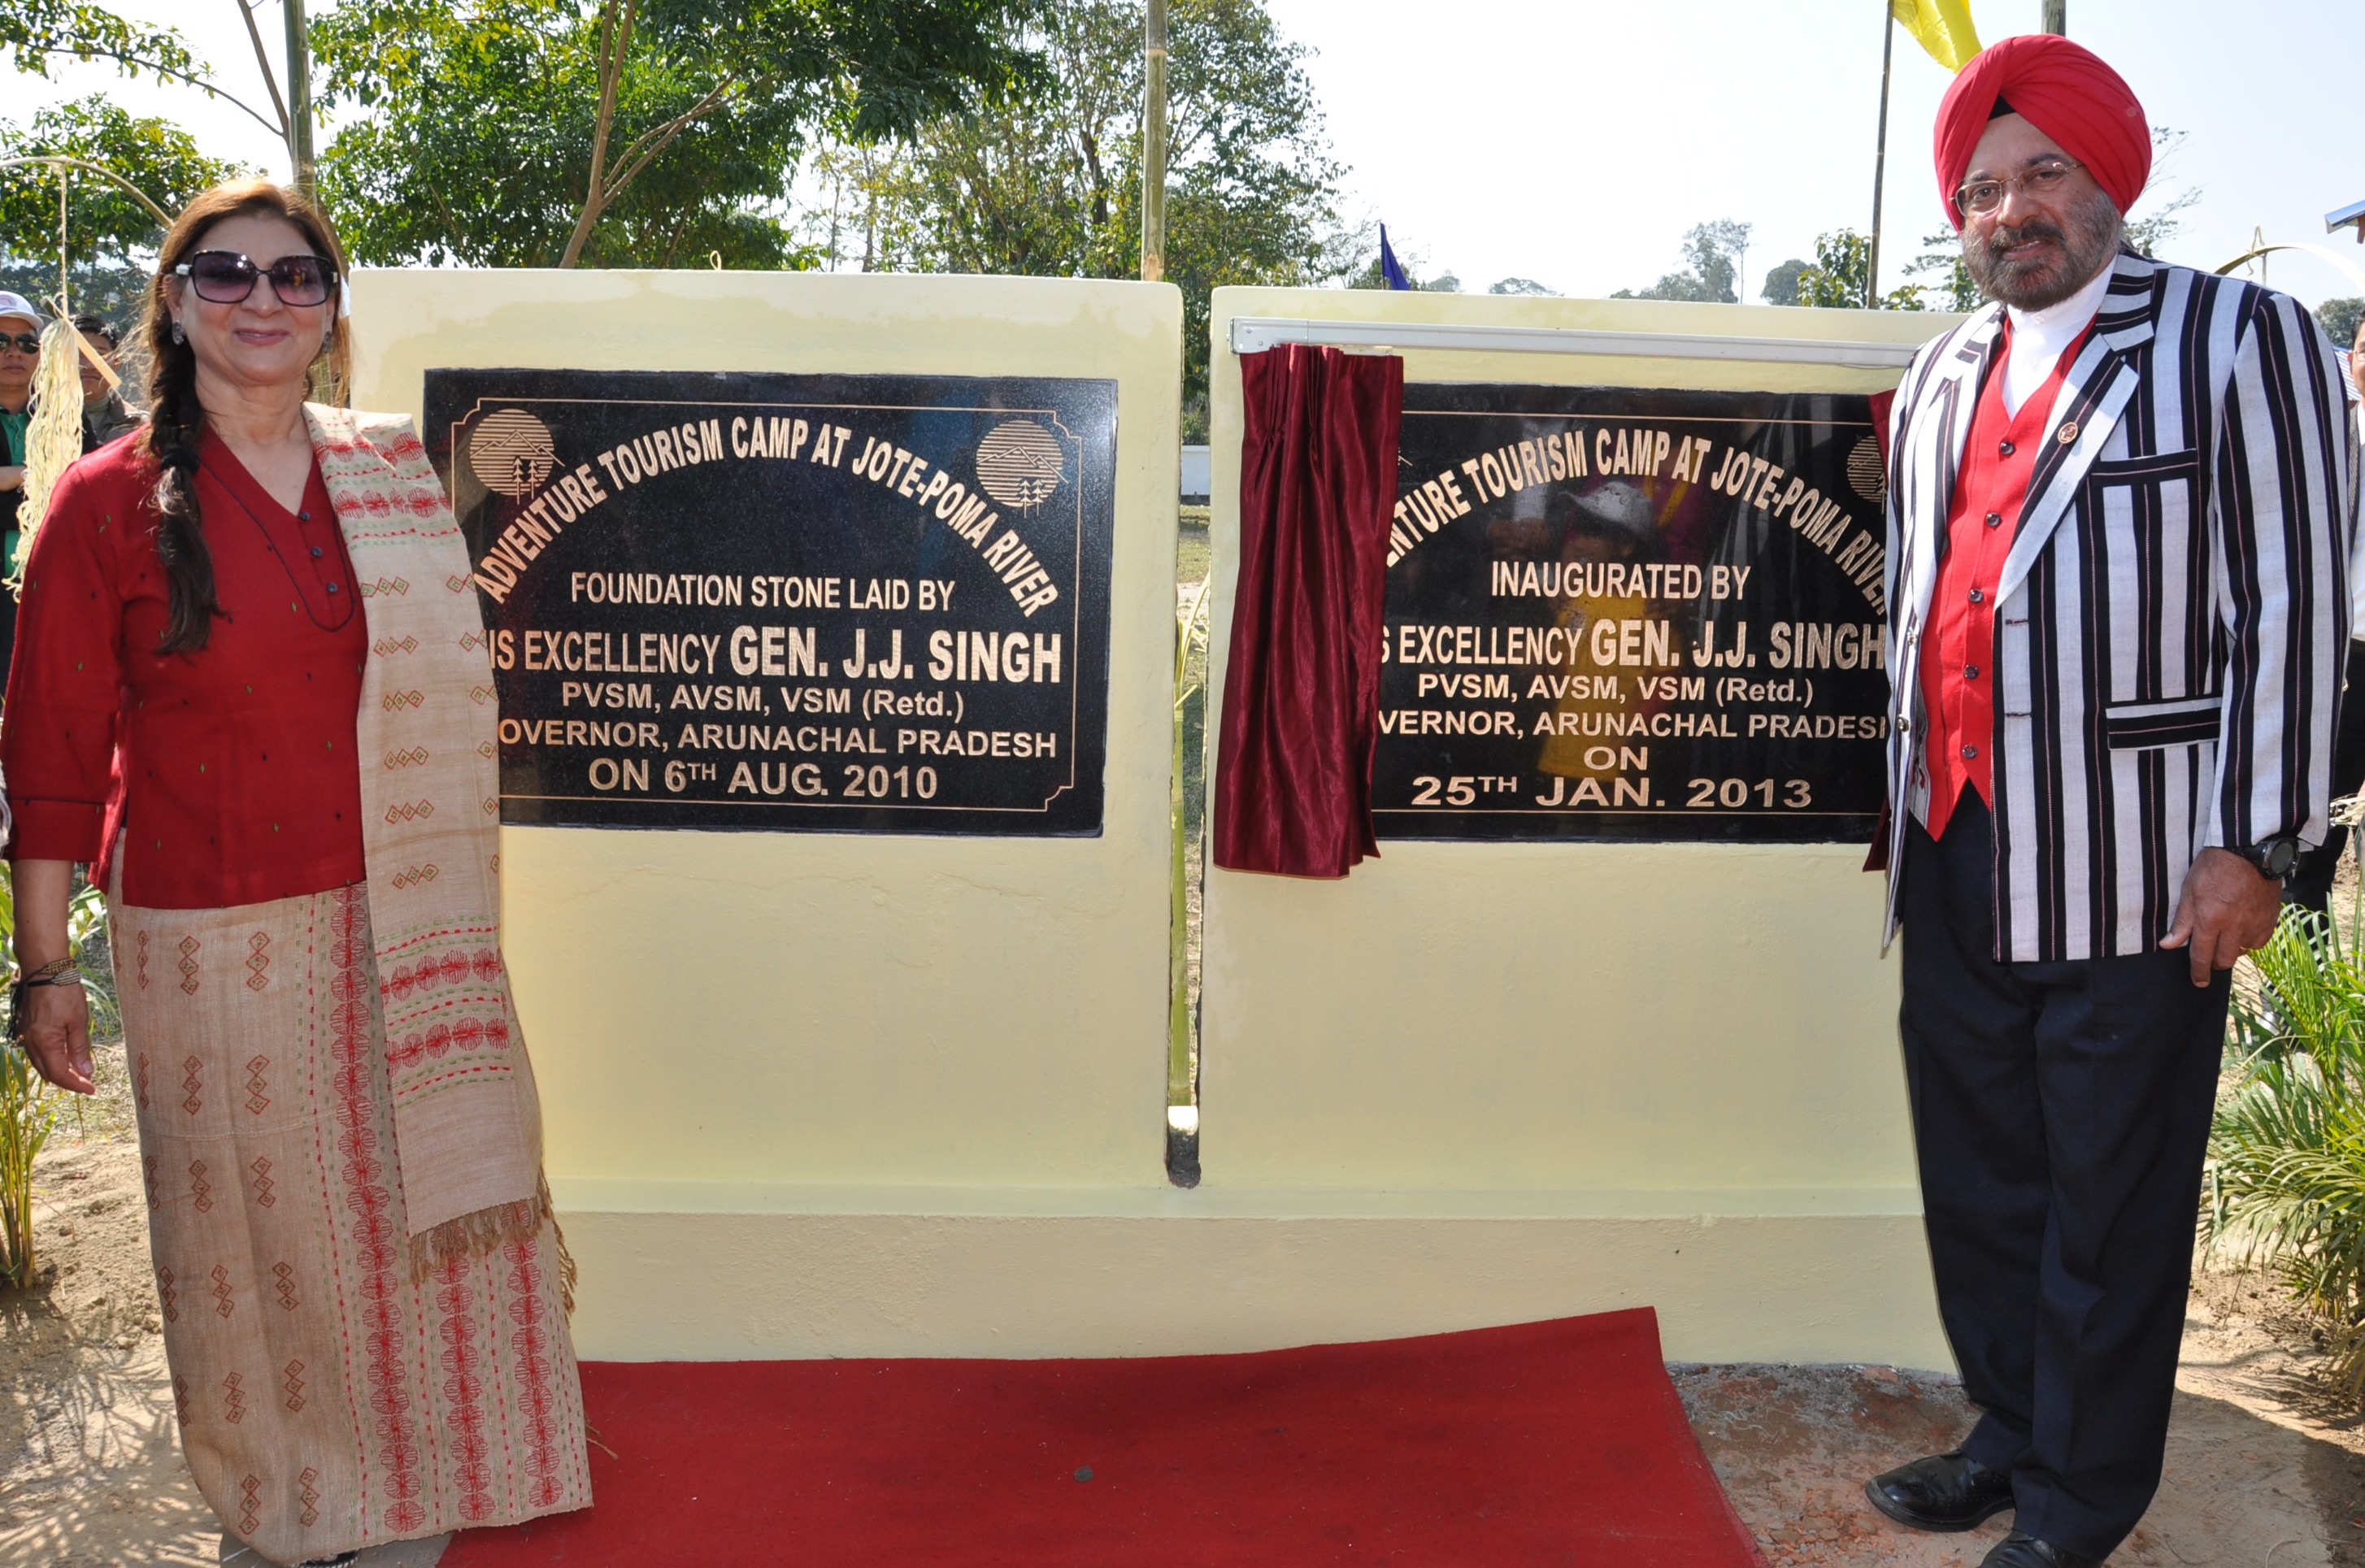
(1942, 27)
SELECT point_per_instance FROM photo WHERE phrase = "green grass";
(2286, 1185)
(29, 1108)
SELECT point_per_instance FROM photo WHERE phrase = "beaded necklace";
(352, 605)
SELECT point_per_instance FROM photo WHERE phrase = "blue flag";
(1390, 268)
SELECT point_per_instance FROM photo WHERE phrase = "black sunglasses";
(224, 277)
(23, 342)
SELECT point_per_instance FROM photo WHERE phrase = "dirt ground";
(2266, 1466)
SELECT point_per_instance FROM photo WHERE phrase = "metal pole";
(299, 99)
(2057, 17)
(1880, 156)
(1153, 141)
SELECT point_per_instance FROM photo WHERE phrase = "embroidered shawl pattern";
(466, 1119)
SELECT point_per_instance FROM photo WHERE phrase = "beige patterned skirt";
(327, 1400)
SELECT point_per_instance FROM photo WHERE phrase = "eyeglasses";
(23, 342)
(1980, 197)
(224, 277)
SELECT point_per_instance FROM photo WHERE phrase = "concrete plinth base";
(707, 1271)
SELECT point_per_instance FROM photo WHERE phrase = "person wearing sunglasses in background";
(2119, 508)
(105, 414)
(246, 695)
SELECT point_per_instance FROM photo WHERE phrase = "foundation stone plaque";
(1615, 613)
(865, 603)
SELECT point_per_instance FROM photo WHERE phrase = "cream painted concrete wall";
(815, 1096)
(1710, 1024)
(828, 1008)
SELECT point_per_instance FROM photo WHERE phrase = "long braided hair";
(175, 418)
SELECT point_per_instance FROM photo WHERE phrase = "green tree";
(110, 234)
(2150, 233)
(1782, 282)
(625, 132)
(1048, 181)
(1842, 272)
(1953, 282)
(1367, 275)
(103, 223)
(1714, 252)
(36, 33)
(2340, 318)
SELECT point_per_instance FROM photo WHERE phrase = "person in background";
(105, 414)
(20, 359)
(337, 1114)
(2119, 509)
(2310, 886)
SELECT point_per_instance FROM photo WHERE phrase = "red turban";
(2064, 90)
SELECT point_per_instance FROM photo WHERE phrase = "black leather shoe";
(1943, 1492)
(2018, 1550)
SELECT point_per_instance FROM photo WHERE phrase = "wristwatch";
(2274, 856)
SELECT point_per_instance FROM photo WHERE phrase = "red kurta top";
(229, 776)
(1958, 684)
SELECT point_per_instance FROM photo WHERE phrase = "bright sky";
(1573, 141)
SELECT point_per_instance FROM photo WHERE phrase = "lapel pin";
(2068, 433)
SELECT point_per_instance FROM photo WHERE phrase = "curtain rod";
(1254, 334)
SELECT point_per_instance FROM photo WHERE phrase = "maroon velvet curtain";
(1302, 686)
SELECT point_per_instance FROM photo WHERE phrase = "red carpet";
(1558, 1443)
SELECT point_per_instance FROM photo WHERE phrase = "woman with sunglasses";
(250, 694)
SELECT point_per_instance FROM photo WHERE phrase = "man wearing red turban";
(2118, 521)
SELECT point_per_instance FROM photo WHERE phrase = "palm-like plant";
(29, 1107)
(27, 1113)
(2287, 1152)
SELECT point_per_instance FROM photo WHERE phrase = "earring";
(178, 335)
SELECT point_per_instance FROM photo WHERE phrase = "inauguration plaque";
(875, 604)
(1616, 613)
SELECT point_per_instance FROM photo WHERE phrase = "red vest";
(1958, 648)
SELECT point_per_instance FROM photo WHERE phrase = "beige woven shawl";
(467, 1125)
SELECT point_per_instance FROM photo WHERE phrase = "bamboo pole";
(300, 100)
(1153, 141)
(1880, 156)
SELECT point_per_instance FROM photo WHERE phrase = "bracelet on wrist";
(57, 971)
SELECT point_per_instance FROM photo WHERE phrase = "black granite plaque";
(870, 603)
(1629, 614)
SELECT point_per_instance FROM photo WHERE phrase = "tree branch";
(615, 41)
(664, 135)
(263, 60)
(134, 64)
(55, 161)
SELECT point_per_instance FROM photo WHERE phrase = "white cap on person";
(20, 308)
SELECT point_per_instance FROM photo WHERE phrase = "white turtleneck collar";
(2038, 338)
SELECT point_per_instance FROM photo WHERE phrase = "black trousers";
(2061, 1113)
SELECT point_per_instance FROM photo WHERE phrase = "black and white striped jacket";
(2173, 613)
